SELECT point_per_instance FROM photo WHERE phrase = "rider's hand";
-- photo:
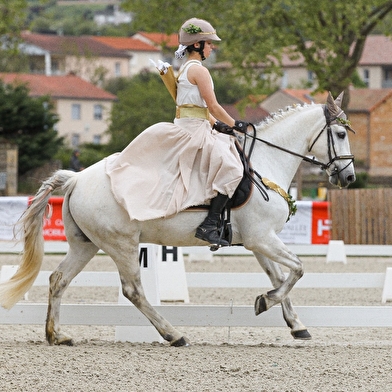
(241, 126)
(223, 128)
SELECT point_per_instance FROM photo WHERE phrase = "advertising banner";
(310, 224)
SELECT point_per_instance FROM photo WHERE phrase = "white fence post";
(171, 275)
(336, 252)
(387, 290)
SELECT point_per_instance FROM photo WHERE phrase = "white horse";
(93, 220)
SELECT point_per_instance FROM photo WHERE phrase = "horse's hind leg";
(129, 270)
(275, 273)
(79, 254)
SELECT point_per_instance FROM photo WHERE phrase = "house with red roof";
(83, 56)
(139, 52)
(160, 40)
(375, 66)
(83, 108)
(93, 58)
(369, 111)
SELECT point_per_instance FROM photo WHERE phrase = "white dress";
(173, 166)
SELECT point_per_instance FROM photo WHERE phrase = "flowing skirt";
(173, 166)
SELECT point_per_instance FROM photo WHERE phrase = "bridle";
(332, 154)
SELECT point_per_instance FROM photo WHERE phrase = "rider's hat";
(196, 30)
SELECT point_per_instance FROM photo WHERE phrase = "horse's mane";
(280, 115)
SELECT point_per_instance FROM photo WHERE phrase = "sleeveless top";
(188, 93)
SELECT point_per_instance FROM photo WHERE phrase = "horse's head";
(340, 161)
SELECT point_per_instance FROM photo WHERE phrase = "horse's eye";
(341, 135)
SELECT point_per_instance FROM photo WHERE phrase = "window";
(75, 141)
(284, 81)
(117, 69)
(76, 111)
(97, 139)
(310, 77)
(98, 112)
(366, 75)
(387, 82)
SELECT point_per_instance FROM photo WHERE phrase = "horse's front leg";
(273, 248)
(275, 273)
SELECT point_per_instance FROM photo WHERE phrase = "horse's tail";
(30, 225)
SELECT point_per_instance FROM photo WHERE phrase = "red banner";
(53, 226)
(321, 224)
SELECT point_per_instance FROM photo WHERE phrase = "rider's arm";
(201, 77)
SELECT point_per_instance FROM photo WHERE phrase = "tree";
(12, 21)
(13, 16)
(142, 102)
(28, 122)
(329, 35)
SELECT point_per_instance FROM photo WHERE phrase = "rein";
(331, 144)
(262, 184)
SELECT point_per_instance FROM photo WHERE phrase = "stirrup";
(213, 246)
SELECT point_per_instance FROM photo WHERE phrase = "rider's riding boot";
(208, 230)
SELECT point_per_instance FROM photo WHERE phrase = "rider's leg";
(208, 230)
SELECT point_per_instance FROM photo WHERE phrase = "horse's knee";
(298, 269)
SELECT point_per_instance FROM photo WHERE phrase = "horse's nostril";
(350, 178)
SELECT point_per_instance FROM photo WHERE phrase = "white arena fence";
(125, 316)
(195, 315)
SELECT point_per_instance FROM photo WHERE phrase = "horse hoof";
(260, 305)
(302, 334)
(64, 340)
(182, 342)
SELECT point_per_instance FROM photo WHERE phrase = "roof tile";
(126, 43)
(69, 86)
(71, 45)
(161, 39)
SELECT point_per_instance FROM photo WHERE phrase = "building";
(374, 67)
(112, 15)
(167, 44)
(83, 108)
(139, 52)
(83, 56)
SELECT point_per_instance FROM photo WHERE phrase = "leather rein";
(332, 155)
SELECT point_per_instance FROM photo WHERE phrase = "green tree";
(329, 35)
(12, 21)
(28, 122)
(142, 102)
(13, 16)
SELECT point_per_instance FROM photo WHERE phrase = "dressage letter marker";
(171, 275)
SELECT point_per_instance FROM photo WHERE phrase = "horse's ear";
(332, 107)
(339, 99)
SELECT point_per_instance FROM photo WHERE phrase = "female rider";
(173, 166)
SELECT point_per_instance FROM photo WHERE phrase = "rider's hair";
(192, 48)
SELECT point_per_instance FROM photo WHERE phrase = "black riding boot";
(208, 230)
